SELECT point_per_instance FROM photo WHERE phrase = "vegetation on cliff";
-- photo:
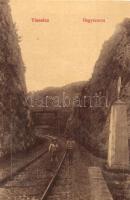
(14, 113)
(90, 125)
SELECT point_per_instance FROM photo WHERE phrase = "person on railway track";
(53, 150)
(70, 143)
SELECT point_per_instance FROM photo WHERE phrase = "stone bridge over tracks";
(49, 120)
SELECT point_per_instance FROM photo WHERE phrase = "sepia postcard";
(64, 100)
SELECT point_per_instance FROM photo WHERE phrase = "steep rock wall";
(14, 111)
(90, 125)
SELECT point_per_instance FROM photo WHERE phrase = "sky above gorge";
(63, 47)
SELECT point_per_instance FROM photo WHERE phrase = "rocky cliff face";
(90, 124)
(14, 112)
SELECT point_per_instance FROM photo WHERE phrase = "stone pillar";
(118, 154)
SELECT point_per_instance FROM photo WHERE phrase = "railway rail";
(70, 182)
(52, 181)
(42, 181)
(22, 168)
(31, 180)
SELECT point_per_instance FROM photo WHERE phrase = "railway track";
(16, 172)
(31, 181)
(70, 182)
(27, 182)
(62, 186)
(53, 180)
(39, 182)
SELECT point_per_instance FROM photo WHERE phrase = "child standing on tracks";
(70, 149)
(53, 150)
